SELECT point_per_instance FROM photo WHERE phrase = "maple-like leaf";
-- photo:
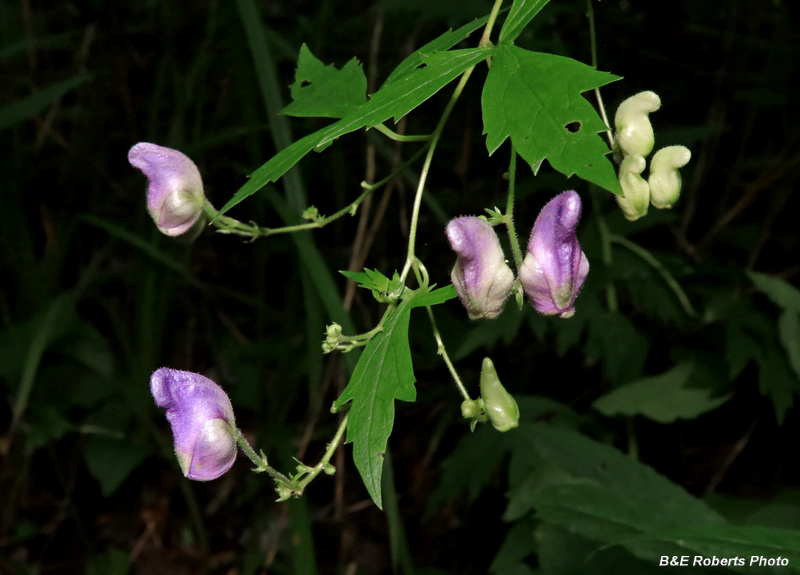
(535, 99)
(321, 90)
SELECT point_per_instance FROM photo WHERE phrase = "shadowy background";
(93, 298)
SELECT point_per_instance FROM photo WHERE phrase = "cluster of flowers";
(635, 140)
(551, 274)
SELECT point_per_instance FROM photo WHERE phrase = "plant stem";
(437, 133)
(593, 40)
(260, 463)
(487, 31)
(394, 174)
(399, 137)
(669, 279)
(509, 215)
(299, 487)
(443, 352)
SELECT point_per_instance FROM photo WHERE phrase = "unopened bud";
(665, 180)
(634, 131)
(470, 409)
(635, 190)
(500, 406)
(555, 267)
(481, 276)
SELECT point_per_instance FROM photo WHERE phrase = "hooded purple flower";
(175, 194)
(555, 267)
(481, 276)
(201, 417)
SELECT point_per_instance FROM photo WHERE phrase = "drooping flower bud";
(634, 131)
(500, 406)
(555, 267)
(665, 180)
(635, 197)
(201, 417)
(175, 194)
(481, 276)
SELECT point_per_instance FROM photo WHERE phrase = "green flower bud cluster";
(634, 142)
(495, 404)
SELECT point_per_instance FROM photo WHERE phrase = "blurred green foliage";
(93, 299)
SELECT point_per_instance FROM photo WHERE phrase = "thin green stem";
(323, 463)
(487, 31)
(399, 137)
(669, 279)
(260, 462)
(443, 352)
(426, 166)
(394, 174)
(593, 40)
(435, 136)
(509, 215)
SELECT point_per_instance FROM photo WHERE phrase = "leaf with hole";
(535, 99)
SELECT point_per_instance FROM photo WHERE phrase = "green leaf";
(535, 99)
(781, 292)
(30, 106)
(607, 496)
(443, 42)
(110, 461)
(663, 398)
(321, 90)
(518, 544)
(789, 329)
(740, 348)
(522, 12)
(778, 382)
(434, 297)
(383, 288)
(383, 373)
(614, 339)
(486, 334)
(394, 100)
(460, 470)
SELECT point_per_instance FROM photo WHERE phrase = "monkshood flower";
(201, 417)
(665, 180)
(555, 267)
(634, 131)
(175, 194)
(635, 197)
(500, 406)
(481, 276)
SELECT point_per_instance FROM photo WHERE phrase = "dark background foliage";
(93, 298)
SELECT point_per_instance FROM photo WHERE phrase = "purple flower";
(481, 276)
(555, 267)
(201, 417)
(175, 194)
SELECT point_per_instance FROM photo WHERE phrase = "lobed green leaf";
(394, 100)
(663, 398)
(383, 374)
(321, 90)
(535, 99)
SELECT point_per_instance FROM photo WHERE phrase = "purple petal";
(555, 267)
(481, 276)
(175, 192)
(202, 421)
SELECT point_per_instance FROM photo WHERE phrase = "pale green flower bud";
(500, 406)
(634, 131)
(636, 191)
(665, 180)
